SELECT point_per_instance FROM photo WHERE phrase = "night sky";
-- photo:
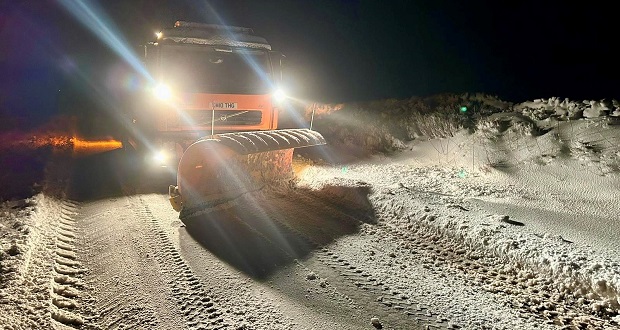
(337, 51)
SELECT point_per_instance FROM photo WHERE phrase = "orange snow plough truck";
(218, 94)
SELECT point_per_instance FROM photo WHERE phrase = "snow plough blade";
(220, 168)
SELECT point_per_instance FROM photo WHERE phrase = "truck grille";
(224, 117)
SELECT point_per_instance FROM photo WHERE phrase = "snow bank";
(386, 125)
(435, 200)
(591, 279)
(561, 139)
(26, 234)
(16, 224)
(566, 109)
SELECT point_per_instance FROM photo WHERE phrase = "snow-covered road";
(474, 231)
(389, 243)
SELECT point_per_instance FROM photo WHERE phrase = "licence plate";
(223, 105)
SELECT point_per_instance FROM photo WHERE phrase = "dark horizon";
(337, 51)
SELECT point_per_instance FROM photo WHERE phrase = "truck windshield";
(204, 70)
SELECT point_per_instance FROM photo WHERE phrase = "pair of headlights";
(164, 93)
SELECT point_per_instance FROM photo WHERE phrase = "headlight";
(161, 157)
(162, 92)
(279, 95)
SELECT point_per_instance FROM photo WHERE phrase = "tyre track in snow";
(112, 261)
(142, 281)
(68, 300)
(278, 294)
(120, 272)
(368, 286)
(136, 276)
(198, 308)
(350, 280)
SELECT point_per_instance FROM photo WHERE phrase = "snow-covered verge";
(388, 125)
(15, 230)
(534, 185)
(40, 285)
(437, 202)
(24, 294)
(39, 274)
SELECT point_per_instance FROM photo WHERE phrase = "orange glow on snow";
(90, 147)
(58, 135)
(58, 142)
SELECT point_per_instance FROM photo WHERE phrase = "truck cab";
(207, 79)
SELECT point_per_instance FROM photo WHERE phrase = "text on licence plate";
(223, 105)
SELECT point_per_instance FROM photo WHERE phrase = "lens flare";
(160, 157)
(248, 59)
(279, 95)
(95, 19)
(162, 92)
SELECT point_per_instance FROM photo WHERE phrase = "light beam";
(90, 15)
